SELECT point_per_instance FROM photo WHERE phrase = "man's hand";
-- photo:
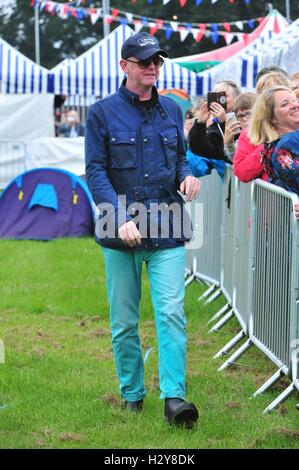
(296, 210)
(129, 234)
(190, 187)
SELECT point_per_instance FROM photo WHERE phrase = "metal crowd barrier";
(203, 264)
(226, 256)
(12, 160)
(242, 229)
(273, 282)
(259, 274)
(227, 235)
(236, 261)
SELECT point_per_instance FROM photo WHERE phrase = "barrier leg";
(270, 382)
(230, 361)
(213, 297)
(191, 277)
(281, 398)
(187, 273)
(230, 344)
(219, 313)
(222, 322)
(207, 292)
(189, 280)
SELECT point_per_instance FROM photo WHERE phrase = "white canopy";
(20, 75)
(97, 72)
(271, 25)
(281, 50)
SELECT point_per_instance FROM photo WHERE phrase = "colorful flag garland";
(197, 30)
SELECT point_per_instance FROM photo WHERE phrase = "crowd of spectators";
(257, 132)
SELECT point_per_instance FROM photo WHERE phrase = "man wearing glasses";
(135, 163)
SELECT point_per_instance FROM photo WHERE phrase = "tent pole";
(36, 31)
(106, 11)
(288, 11)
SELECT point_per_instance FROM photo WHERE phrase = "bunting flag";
(79, 9)
(273, 23)
(197, 2)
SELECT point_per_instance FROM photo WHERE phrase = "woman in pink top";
(247, 159)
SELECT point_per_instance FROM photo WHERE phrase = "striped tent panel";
(272, 24)
(174, 76)
(280, 49)
(20, 75)
(97, 72)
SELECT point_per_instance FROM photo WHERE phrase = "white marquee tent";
(20, 75)
(281, 50)
(97, 72)
(26, 98)
(271, 25)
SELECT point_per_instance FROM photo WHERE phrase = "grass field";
(58, 387)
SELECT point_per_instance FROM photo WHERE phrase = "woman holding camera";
(206, 137)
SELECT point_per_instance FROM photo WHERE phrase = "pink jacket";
(247, 160)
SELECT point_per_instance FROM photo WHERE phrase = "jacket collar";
(133, 98)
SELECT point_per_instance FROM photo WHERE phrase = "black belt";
(139, 193)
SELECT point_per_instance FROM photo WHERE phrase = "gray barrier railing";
(227, 236)
(204, 263)
(260, 275)
(226, 254)
(242, 228)
(235, 262)
(273, 282)
(12, 160)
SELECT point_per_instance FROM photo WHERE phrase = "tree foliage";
(69, 38)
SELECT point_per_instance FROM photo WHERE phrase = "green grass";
(58, 387)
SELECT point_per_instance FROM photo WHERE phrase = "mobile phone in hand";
(218, 97)
(231, 117)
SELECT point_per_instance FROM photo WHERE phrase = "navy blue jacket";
(140, 154)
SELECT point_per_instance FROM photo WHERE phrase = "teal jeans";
(165, 270)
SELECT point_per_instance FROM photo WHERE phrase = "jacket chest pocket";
(170, 145)
(123, 149)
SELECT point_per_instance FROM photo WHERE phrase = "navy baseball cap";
(142, 46)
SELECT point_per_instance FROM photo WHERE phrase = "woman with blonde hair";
(247, 159)
(271, 80)
(275, 123)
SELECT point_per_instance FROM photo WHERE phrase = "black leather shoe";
(180, 413)
(134, 406)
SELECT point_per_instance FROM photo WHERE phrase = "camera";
(218, 97)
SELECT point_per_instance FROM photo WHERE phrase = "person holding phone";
(206, 137)
(237, 120)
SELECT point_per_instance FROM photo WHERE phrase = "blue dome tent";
(46, 203)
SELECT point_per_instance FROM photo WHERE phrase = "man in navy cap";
(135, 165)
